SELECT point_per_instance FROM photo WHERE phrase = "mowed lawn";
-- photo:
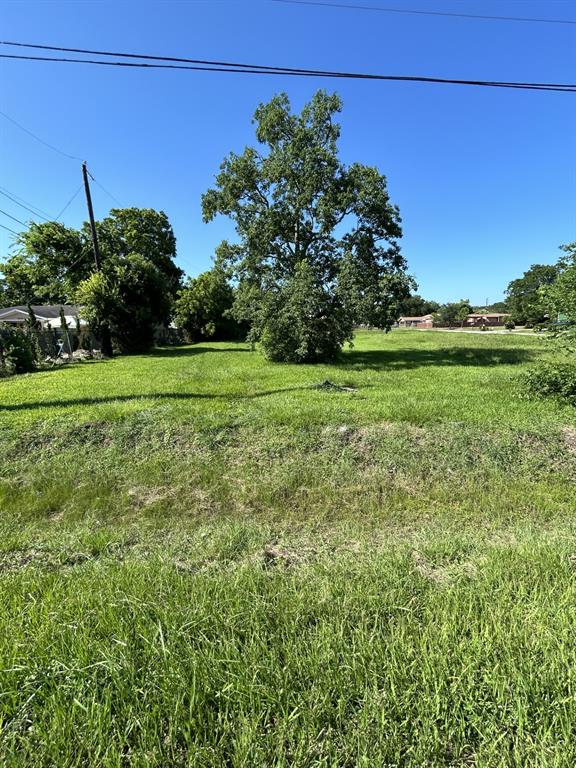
(210, 560)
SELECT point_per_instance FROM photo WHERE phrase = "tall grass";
(208, 560)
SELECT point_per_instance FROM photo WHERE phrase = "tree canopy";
(524, 297)
(416, 306)
(559, 297)
(317, 248)
(130, 297)
(203, 306)
(51, 260)
(453, 313)
(132, 293)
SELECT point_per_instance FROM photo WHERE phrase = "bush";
(510, 325)
(17, 354)
(552, 380)
(302, 323)
(203, 309)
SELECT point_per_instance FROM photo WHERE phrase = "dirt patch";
(443, 574)
(275, 556)
(146, 497)
(569, 435)
(17, 560)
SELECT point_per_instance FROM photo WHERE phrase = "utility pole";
(106, 341)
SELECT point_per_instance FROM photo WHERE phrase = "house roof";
(419, 317)
(489, 314)
(43, 312)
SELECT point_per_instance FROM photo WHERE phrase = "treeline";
(537, 299)
(138, 290)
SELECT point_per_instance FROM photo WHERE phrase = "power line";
(103, 188)
(23, 206)
(245, 69)
(229, 66)
(383, 9)
(69, 202)
(16, 197)
(46, 144)
(9, 230)
(13, 218)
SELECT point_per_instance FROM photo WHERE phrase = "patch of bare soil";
(275, 556)
(443, 574)
(569, 435)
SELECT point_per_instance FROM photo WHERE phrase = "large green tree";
(559, 297)
(143, 231)
(203, 307)
(524, 297)
(129, 297)
(49, 262)
(317, 248)
(416, 306)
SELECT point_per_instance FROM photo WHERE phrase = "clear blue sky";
(485, 179)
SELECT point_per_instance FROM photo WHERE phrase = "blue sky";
(485, 179)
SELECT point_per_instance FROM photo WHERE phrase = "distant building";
(47, 315)
(486, 318)
(424, 321)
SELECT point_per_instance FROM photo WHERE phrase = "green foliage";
(304, 218)
(497, 306)
(144, 231)
(203, 307)
(50, 262)
(510, 325)
(416, 306)
(453, 314)
(305, 324)
(130, 297)
(17, 351)
(525, 299)
(33, 331)
(560, 298)
(552, 380)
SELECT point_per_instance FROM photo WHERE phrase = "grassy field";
(210, 560)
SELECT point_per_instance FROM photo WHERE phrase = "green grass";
(209, 560)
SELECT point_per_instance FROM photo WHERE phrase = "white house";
(48, 315)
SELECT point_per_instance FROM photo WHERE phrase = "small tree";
(16, 354)
(32, 330)
(67, 346)
(454, 313)
(131, 296)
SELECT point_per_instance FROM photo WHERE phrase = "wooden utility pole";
(91, 217)
(106, 341)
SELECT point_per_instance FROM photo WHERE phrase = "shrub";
(552, 380)
(510, 325)
(203, 308)
(16, 351)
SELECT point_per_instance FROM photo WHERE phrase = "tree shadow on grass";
(167, 352)
(401, 359)
(96, 400)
